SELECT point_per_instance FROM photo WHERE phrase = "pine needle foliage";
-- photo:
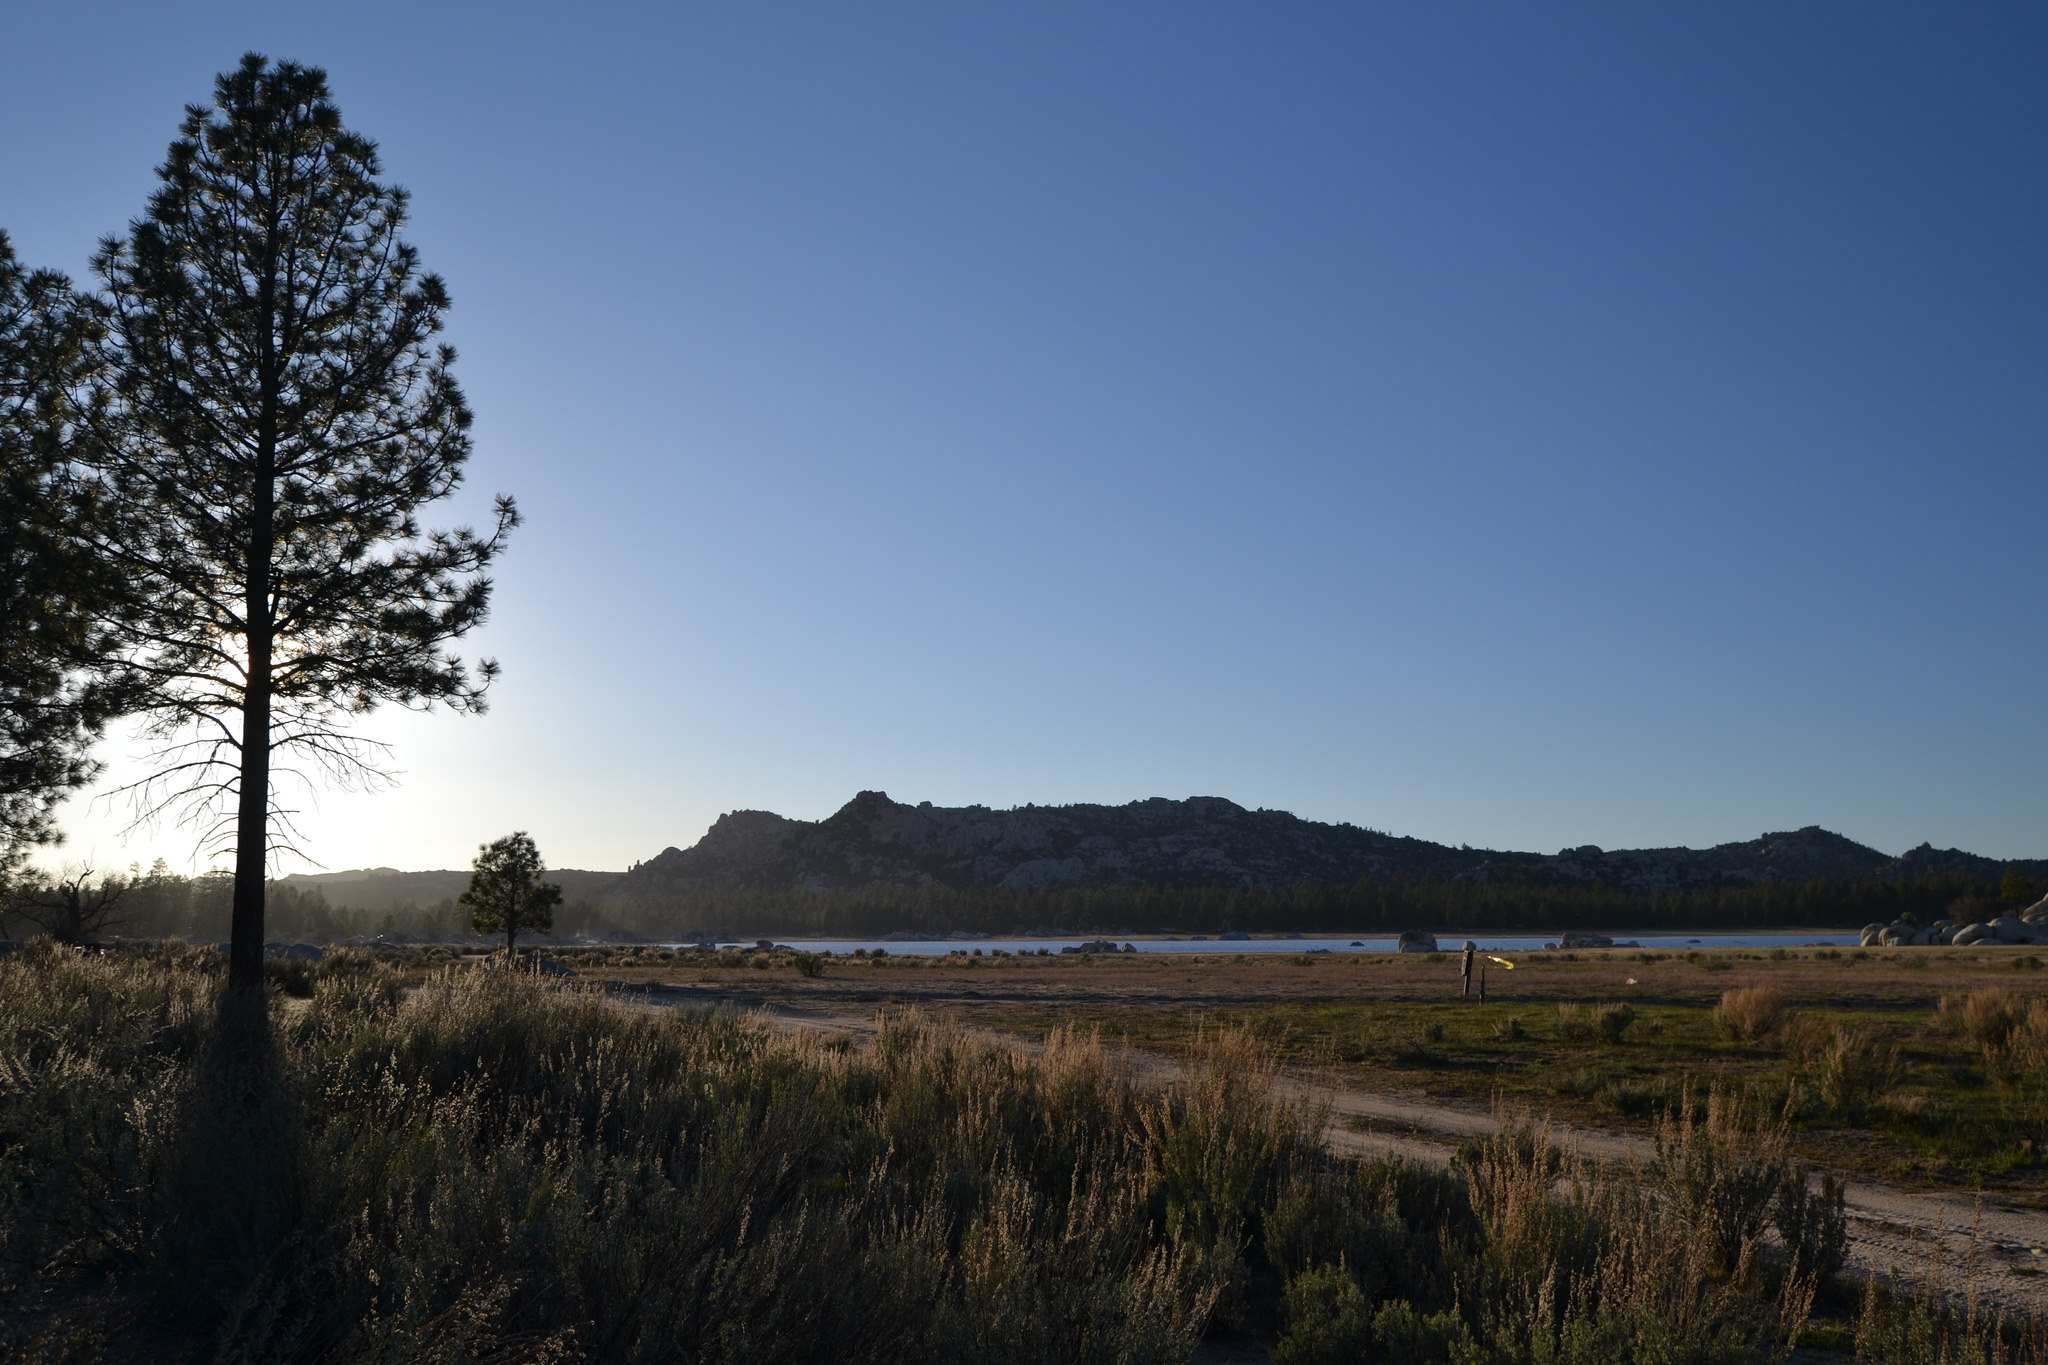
(52, 703)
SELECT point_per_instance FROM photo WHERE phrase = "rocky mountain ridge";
(1203, 841)
(1209, 841)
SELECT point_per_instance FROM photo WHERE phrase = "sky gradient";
(1495, 425)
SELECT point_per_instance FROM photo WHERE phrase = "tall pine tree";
(280, 412)
(53, 595)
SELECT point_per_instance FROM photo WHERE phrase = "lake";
(1449, 941)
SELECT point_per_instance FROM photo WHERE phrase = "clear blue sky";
(1499, 424)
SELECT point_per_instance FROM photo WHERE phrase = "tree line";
(506, 895)
(1364, 906)
(160, 903)
(75, 905)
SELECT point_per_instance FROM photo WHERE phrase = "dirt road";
(1963, 1244)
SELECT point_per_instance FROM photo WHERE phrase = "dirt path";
(1964, 1244)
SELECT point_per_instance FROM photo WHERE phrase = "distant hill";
(1207, 841)
(1202, 865)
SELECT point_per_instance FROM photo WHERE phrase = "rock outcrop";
(1203, 841)
(2028, 926)
(1208, 841)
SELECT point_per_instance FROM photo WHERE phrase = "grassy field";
(1853, 1045)
(403, 1158)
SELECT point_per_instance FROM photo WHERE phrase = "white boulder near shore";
(2027, 926)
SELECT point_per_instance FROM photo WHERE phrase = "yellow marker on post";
(1501, 960)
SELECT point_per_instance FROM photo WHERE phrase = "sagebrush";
(468, 1166)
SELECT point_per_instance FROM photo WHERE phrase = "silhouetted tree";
(72, 909)
(281, 412)
(506, 893)
(52, 702)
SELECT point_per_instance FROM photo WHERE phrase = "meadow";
(404, 1158)
(1927, 1067)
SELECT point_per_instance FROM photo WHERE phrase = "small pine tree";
(506, 893)
(2018, 890)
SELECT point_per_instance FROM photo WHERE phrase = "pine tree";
(280, 412)
(506, 893)
(52, 701)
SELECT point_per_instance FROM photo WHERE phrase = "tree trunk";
(252, 816)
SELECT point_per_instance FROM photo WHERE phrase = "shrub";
(1615, 1020)
(1850, 1068)
(1538, 1257)
(809, 964)
(499, 1167)
(1573, 1026)
(1988, 1016)
(2026, 1049)
(1586, 1264)
(502, 1167)
(1927, 1327)
(1719, 1174)
(1328, 1317)
(1750, 1013)
(1220, 1149)
(1634, 1097)
(1812, 1223)
(1391, 1225)
(2011, 1030)
(1405, 1336)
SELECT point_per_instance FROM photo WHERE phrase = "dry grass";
(496, 1167)
(1851, 1069)
(1934, 1324)
(1542, 1256)
(1750, 1013)
(1988, 1016)
(1578, 1023)
(1954, 1118)
(2011, 1029)
(1614, 1021)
